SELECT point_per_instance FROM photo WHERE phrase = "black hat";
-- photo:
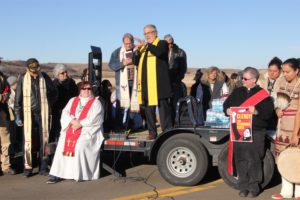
(33, 65)
(198, 75)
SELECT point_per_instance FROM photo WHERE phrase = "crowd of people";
(148, 81)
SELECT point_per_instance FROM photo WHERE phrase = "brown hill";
(75, 70)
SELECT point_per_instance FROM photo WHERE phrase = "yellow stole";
(27, 116)
(151, 76)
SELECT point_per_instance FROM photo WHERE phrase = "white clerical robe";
(85, 165)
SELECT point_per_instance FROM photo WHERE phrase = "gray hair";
(152, 26)
(128, 35)
(169, 37)
(12, 80)
(58, 69)
(254, 73)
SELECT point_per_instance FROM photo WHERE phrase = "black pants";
(165, 115)
(248, 161)
(118, 117)
(37, 141)
(16, 137)
(177, 94)
(56, 127)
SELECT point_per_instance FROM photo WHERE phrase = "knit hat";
(58, 69)
(198, 75)
(33, 65)
(11, 80)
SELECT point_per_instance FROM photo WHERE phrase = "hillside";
(75, 70)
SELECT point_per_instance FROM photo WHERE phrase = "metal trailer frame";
(211, 142)
(214, 140)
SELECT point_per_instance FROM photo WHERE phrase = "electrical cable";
(138, 178)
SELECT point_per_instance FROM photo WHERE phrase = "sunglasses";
(88, 88)
(63, 72)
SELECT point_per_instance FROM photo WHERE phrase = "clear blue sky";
(224, 33)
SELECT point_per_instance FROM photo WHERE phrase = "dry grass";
(75, 70)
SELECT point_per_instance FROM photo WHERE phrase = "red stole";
(73, 135)
(252, 101)
(6, 90)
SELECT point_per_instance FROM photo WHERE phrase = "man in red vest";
(248, 156)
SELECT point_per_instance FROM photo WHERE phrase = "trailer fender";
(154, 148)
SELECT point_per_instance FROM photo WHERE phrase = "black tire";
(182, 160)
(268, 167)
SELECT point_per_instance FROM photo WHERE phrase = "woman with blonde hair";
(214, 78)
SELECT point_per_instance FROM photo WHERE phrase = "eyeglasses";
(63, 72)
(149, 33)
(88, 88)
(246, 79)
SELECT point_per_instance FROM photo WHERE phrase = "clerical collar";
(271, 81)
(248, 89)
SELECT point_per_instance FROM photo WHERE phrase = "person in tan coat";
(268, 80)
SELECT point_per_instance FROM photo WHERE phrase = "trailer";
(183, 155)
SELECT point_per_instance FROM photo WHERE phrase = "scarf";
(73, 135)
(27, 116)
(251, 101)
(151, 76)
(125, 100)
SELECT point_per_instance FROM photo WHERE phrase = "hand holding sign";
(241, 124)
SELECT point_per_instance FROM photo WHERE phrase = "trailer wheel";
(182, 160)
(268, 169)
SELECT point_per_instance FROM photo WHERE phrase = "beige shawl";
(125, 100)
(285, 124)
(27, 116)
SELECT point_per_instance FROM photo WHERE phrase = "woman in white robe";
(85, 163)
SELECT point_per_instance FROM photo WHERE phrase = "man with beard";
(154, 86)
(121, 61)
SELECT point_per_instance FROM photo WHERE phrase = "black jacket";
(35, 95)
(265, 108)
(206, 95)
(213, 94)
(4, 115)
(162, 70)
(66, 90)
(177, 64)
